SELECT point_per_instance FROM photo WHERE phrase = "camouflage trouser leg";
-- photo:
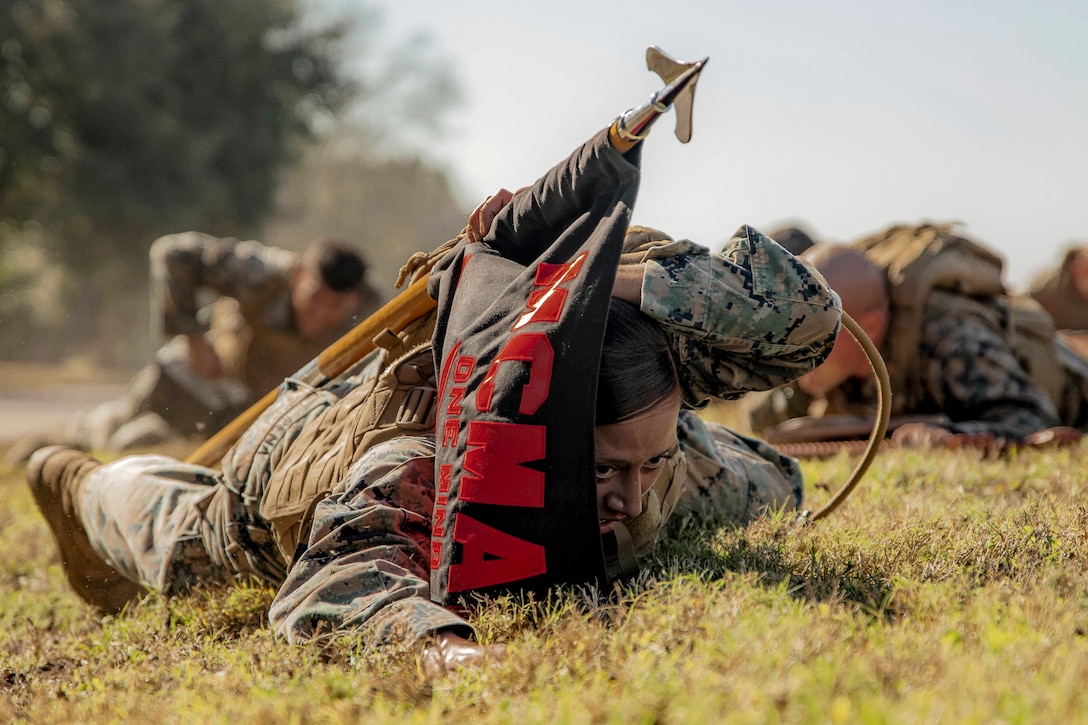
(137, 509)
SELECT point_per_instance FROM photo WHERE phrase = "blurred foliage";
(389, 206)
(129, 118)
(121, 121)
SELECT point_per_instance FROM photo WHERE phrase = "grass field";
(949, 588)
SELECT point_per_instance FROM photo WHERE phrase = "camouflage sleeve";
(731, 477)
(971, 375)
(365, 565)
(594, 177)
(183, 264)
(750, 318)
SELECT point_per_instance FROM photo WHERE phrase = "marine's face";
(847, 359)
(320, 311)
(836, 369)
(1080, 274)
(630, 455)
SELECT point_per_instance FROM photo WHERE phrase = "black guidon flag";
(521, 317)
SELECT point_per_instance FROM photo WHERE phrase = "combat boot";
(56, 475)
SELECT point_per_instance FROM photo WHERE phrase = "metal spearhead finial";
(680, 78)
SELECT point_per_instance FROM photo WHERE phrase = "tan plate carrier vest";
(399, 402)
(927, 258)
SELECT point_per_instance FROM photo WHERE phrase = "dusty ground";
(40, 398)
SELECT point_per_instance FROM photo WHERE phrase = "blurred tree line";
(124, 120)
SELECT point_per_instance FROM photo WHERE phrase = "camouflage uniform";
(968, 373)
(750, 318)
(1057, 293)
(251, 327)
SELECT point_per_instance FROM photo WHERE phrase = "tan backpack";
(922, 259)
(399, 401)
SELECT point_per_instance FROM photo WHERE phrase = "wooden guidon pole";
(412, 303)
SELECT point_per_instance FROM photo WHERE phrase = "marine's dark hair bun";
(341, 266)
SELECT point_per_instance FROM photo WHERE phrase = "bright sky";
(843, 115)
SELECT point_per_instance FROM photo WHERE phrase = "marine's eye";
(657, 462)
(605, 471)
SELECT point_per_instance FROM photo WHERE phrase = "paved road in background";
(37, 410)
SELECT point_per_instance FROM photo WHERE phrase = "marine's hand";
(1061, 435)
(628, 284)
(202, 358)
(921, 435)
(479, 221)
(926, 435)
(447, 652)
